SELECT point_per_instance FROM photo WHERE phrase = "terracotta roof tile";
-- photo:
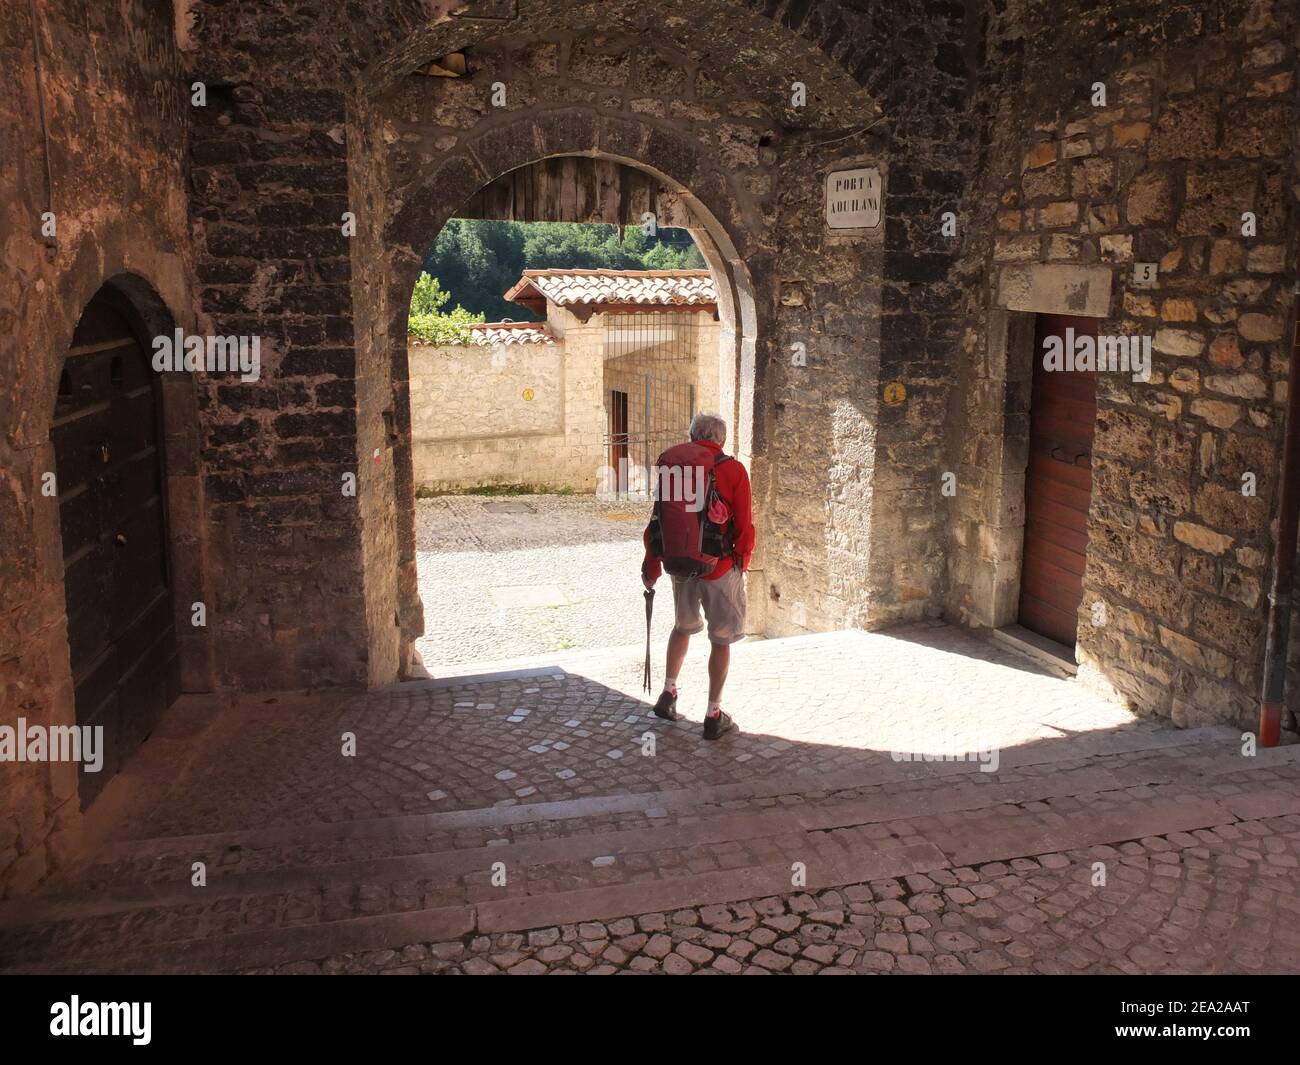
(683, 288)
(511, 333)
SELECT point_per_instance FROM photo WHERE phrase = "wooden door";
(618, 451)
(121, 630)
(1058, 487)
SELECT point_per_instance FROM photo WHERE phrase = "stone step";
(880, 769)
(155, 871)
(267, 863)
(838, 845)
(711, 825)
(268, 947)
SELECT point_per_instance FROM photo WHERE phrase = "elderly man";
(702, 533)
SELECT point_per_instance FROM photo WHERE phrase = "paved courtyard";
(512, 576)
(546, 822)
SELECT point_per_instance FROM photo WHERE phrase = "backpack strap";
(727, 531)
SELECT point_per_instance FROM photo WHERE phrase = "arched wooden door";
(108, 464)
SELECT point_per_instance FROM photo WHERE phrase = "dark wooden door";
(121, 629)
(1058, 487)
(618, 437)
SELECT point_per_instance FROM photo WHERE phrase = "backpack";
(691, 542)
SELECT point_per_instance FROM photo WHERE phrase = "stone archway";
(750, 167)
(410, 232)
(753, 132)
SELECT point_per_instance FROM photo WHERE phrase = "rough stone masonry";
(1010, 188)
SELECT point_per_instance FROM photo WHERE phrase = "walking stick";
(649, 609)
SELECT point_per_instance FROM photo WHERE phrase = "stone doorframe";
(131, 286)
(1021, 292)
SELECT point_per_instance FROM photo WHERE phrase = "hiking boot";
(716, 727)
(666, 707)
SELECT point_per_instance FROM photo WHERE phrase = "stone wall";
(98, 138)
(1197, 127)
(269, 187)
(483, 415)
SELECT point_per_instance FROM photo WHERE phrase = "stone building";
(581, 401)
(889, 198)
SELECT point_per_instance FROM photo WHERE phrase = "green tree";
(477, 261)
(428, 321)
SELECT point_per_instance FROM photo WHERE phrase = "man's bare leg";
(716, 723)
(678, 642)
(719, 661)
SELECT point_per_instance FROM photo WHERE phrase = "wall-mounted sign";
(853, 198)
(1144, 274)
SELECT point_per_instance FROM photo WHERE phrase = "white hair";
(709, 427)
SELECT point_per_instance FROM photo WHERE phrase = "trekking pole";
(649, 609)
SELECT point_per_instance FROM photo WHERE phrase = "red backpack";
(691, 527)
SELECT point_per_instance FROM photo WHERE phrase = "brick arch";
(434, 195)
(152, 281)
(860, 45)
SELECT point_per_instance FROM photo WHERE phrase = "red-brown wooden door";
(618, 438)
(1058, 487)
(121, 631)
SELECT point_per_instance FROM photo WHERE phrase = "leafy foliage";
(476, 261)
(427, 319)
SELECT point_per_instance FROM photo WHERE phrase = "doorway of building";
(1058, 486)
(117, 588)
(618, 453)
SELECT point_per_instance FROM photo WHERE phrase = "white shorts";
(723, 603)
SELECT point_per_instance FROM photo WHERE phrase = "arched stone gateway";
(454, 182)
(746, 145)
(401, 121)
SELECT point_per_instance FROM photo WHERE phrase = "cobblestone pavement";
(1221, 901)
(547, 822)
(529, 575)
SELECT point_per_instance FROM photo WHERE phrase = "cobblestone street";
(509, 576)
(546, 822)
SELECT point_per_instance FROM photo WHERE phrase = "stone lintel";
(1056, 288)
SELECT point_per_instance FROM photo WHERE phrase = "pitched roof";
(682, 288)
(511, 333)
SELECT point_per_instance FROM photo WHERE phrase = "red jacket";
(733, 486)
